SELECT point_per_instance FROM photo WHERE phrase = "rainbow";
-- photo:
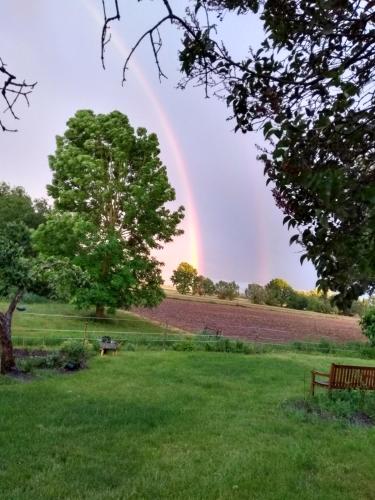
(191, 218)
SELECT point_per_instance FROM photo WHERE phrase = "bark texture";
(7, 360)
(100, 311)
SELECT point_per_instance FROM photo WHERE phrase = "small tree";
(256, 293)
(227, 290)
(110, 190)
(278, 292)
(203, 286)
(184, 278)
(208, 286)
(19, 273)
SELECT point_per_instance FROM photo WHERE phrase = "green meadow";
(179, 425)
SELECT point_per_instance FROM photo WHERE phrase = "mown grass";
(179, 426)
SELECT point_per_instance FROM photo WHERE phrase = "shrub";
(74, 354)
(185, 345)
(25, 365)
(296, 301)
(368, 325)
(320, 304)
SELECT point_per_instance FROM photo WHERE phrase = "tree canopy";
(184, 278)
(16, 206)
(110, 190)
(227, 290)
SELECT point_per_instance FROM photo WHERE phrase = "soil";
(256, 323)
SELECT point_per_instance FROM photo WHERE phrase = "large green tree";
(110, 191)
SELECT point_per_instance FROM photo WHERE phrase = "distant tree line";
(187, 281)
(277, 292)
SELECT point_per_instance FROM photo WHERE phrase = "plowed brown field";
(259, 323)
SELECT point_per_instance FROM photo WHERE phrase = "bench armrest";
(315, 372)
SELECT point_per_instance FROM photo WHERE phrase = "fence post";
(165, 335)
(85, 333)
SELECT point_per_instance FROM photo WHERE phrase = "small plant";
(368, 325)
(25, 365)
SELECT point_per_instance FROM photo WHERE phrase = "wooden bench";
(108, 346)
(345, 377)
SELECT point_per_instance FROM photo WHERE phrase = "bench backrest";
(351, 377)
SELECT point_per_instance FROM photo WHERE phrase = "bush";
(296, 301)
(185, 345)
(368, 325)
(25, 365)
(74, 354)
(320, 304)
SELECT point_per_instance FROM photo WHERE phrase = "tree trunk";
(7, 361)
(100, 311)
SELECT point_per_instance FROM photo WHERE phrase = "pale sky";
(214, 171)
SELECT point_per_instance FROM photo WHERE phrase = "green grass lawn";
(175, 425)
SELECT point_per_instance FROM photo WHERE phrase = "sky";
(233, 231)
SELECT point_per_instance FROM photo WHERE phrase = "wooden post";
(85, 333)
(165, 335)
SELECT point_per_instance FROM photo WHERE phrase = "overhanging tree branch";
(11, 91)
(106, 38)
